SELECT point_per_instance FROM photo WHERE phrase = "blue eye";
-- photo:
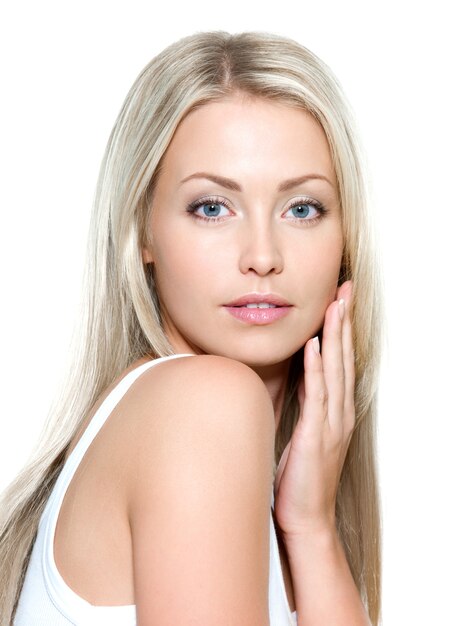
(306, 212)
(210, 209)
(303, 210)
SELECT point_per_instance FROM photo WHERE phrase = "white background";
(65, 70)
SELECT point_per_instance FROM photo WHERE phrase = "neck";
(275, 378)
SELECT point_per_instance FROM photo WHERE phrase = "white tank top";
(46, 599)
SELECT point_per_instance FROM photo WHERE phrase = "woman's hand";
(307, 478)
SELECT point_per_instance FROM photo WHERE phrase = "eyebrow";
(228, 183)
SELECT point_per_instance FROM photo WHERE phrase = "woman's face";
(237, 211)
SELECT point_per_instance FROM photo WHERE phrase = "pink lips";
(278, 308)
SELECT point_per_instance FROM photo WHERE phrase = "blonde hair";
(120, 319)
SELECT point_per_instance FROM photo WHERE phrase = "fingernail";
(341, 308)
(316, 345)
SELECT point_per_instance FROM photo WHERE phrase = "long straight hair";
(121, 322)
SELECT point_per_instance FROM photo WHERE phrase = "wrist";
(324, 525)
(322, 534)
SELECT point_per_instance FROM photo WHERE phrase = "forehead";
(251, 135)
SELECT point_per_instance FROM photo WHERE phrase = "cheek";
(187, 268)
(319, 264)
(323, 265)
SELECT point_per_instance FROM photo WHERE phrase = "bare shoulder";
(199, 492)
(203, 386)
(218, 373)
(203, 405)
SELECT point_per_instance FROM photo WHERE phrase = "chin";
(260, 354)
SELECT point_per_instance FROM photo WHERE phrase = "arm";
(324, 589)
(308, 475)
(200, 493)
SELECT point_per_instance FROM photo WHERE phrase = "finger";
(315, 406)
(333, 366)
(349, 369)
(345, 291)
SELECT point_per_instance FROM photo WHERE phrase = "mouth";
(259, 300)
(258, 309)
(258, 305)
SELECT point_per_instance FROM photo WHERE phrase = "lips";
(258, 308)
(269, 299)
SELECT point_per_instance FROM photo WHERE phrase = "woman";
(230, 226)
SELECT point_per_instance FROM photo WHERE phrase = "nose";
(260, 250)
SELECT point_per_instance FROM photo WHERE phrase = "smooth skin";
(170, 508)
(199, 497)
(307, 478)
(256, 244)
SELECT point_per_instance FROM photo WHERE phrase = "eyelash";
(318, 206)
